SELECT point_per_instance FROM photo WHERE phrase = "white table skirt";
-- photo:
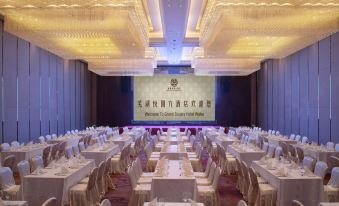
(172, 187)
(225, 140)
(15, 203)
(38, 188)
(100, 154)
(308, 190)
(173, 204)
(248, 156)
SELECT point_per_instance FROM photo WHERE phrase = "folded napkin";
(64, 170)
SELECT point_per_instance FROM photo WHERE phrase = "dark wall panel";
(269, 94)
(281, 94)
(67, 98)
(275, 95)
(44, 91)
(23, 91)
(60, 96)
(77, 94)
(295, 93)
(53, 94)
(1, 64)
(72, 93)
(335, 88)
(313, 93)
(303, 98)
(10, 87)
(82, 97)
(288, 96)
(34, 92)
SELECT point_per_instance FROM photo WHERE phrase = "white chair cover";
(309, 162)
(15, 144)
(7, 184)
(337, 147)
(50, 202)
(297, 138)
(76, 151)
(330, 145)
(5, 147)
(48, 137)
(278, 152)
(265, 147)
(42, 139)
(304, 140)
(242, 203)
(36, 162)
(69, 152)
(23, 168)
(292, 137)
(105, 202)
(332, 188)
(320, 169)
(270, 152)
(81, 146)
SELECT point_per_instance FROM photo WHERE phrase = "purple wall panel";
(44, 91)
(72, 93)
(23, 91)
(1, 63)
(295, 93)
(281, 94)
(82, 97)
(77, 95)
(303, 84)
(269, 94)
(67, 99)
(60, 96)
(275, 94)
(335, 88)
(53, 94)
(10, 87)
(288, 96)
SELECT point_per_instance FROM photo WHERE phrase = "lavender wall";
(40, 93)
(300, 93)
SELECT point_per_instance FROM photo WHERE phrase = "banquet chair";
(48, 137)
(228, 164)
(333, 161)
(152, 159)
(304, 140)
(54, 152)
(296, 203)
(100, 179)
(292, 153)
(119, 162)
(140, 193)
(242, 203)
(15, 144)
(36, 162)
(9, 161)
(261, 194)
(297, 138)
(309, 162)
(265, 147)
(54, 136)
(330, 145)
(277, 133)
(337, 147)
(240, 177)
(284, 149)
(331, 190)
(271, 150)
(23, 169)
(105, 202)
(209, 179)
(85, 194)
(81, 146)
(42, 140)
(108, 180)
(62, 149)
(204, 174)
(5, 147)
(246, 180)
(208, 194)
(278, 152)
(69, 153)
(292, 136)
(46, 155)
(9, 189)
(76, 151)
(320, 169)
(300, 153)
(50, 202)
(139, 169)
(138, 173)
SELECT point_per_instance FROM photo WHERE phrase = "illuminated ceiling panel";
(78, 29)
(243, 33)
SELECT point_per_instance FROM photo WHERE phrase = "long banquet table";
(14, 203)
(122, 141)
(173, 152)
(100, 153)
(52, 183)
(224, 140)
(296, 186)
(318, 152)
(175, 185)
(245, 153)
(71, 140)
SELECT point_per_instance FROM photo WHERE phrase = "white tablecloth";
(246, 154)
(100, 153)
(122, 141)
(225, 140)
(317, 152)
(308, 190)
(172, 187)
(173, 152)
(38, 188)
(173, 140)
(329, 204)
(72, 140)
(277, 140)
(15, 203)
(173, 204)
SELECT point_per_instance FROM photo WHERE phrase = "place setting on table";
(61, 174)
(291, 180)
(100, 152)
(245, 152)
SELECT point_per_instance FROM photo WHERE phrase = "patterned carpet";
(229, 195)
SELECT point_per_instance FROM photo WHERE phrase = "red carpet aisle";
(229, 195)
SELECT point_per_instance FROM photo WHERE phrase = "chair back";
(211, 173)
(278, 152)
(208, 165)
(23, 168)
(9, 161)
(5, 147)
(291, 149)
(304, 140)
(255, 186)
(48, 137)
(309, 162)
(46, 155)
(337, 147)
(36, 162)
(333, 161)
(50, 202)
(271, 149)
(76, 151)
(15, 144)
(265, 147)
(42, 139)
(62, 149)
(284, 149)
(105, 202)
(6, 178)
(334, 180)
(300, 153)
(101, 170)
(330, 145)
(292, 137)
(216, 178)
(131, 176)
(244, 169)
(320, 169)
(92, 178)
(297, 138)
(107, 166)
(54, 151)
(81, 146)
(69, 152)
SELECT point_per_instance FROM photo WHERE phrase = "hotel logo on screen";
(173, 86)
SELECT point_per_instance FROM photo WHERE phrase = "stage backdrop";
(174, 98)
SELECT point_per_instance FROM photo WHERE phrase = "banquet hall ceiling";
(132, 37)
